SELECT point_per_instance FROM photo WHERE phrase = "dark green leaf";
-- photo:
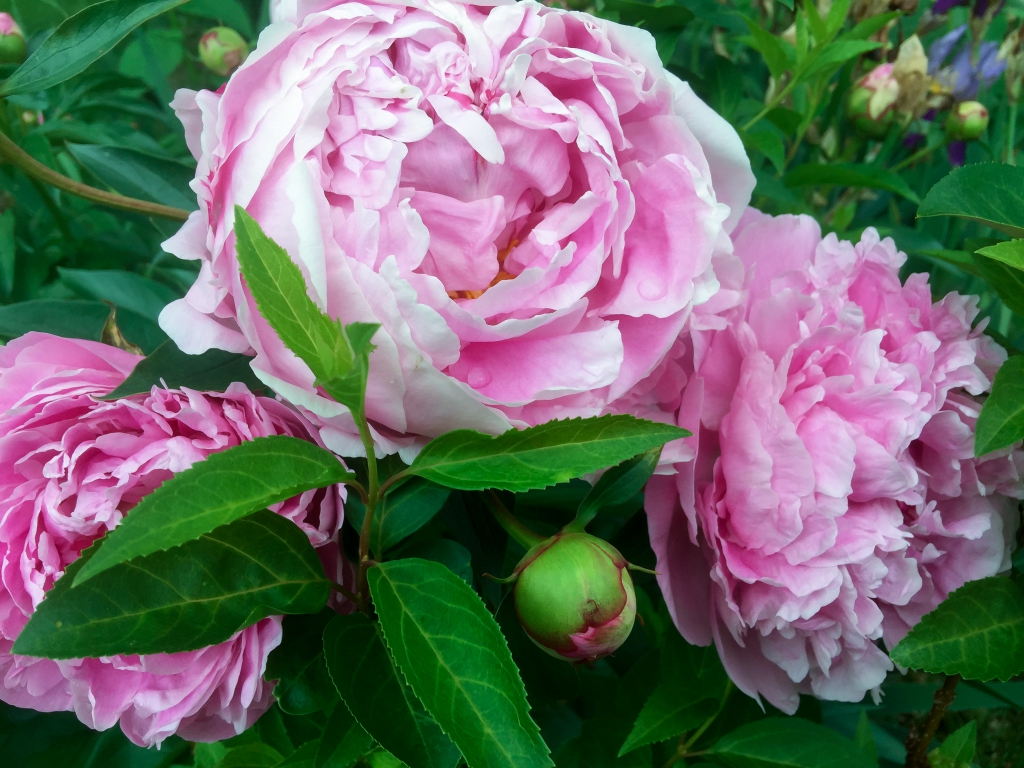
(870, 26)
(303, 757)
(830, 57)
(344, 740)
(767, 139)
(849, 175)
(864, 738)
(779, 56)
(189, 597)
(452, 555)
(79, 41)
(989, 193)
(225, 487)
(405, 510)
(617, 486)
(454, 656)
(977, 632)
(653, 18)
(61, 317)
(1001, 422)
(8, 254)
(253, 755)
(126, 290)
(788, 743)
(690, 685)
(227, 12)
(212, 371)
(1010, 252)
(297, 664)
(519, 460)
(139, 175)
(957, 751)
(375, 692)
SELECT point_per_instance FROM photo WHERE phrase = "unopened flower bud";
(871, 104)
(223, 50)
(574, 597)
(966, 121)
(12, 41)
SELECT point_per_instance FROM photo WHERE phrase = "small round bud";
(12, 41)
(966, 121)
(870, 106)
(222, 50)
(574, 597)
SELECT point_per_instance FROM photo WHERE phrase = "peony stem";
(508, 521)
(917, 744)
(373, 494)
(19, 158)
(686, 743)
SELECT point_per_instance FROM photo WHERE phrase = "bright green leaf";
(869, 27)
(849, 175)
(219, 490)
(767, 139)
(1001, 422)
(189, 597)
(136, 174)
(212, 371)
(957, 751)
(617, 486)
(1010, 252)
(827, 59)
(454, 657)
(787, 743)
(555, 452)
(79, 41)
(989, 193)
(376, 694)
(976, 632)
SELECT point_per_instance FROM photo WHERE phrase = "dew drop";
(478, 377)
(652, 289)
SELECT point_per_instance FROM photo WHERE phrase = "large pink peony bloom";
(522, 196)
(834, 498)
(70, 468)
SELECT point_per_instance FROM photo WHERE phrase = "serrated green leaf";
(350, 388)
(976, 632)
(1001, 422)
(405, 510)
(957, 751)
(455, 658)
(139, 175)
(690, 685)
(298, 666)
(344, 740)
(989, 193)
(303, 757)
(189, 597)
(1006, 281)
(370, 684)
(79, 41)
(555, 452)
(849, 175)
(1010, 253)
(225, 487)
(786, 743)
(212, 371)
(617, 486)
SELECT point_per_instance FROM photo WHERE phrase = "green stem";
(508, 521)
(19, 158)
(1011, 135)
(776, 100)
(919, 155)
(372, 496)
(685, 744)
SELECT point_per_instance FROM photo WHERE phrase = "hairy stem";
(918, 743)
(372, 496)
(19, 158)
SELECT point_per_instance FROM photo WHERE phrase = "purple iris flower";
(945, 6)
(964, 77)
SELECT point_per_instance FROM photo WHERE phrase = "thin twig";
(19, 158)
(917, 743)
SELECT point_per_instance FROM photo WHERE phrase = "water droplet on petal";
(652, 289)
(478, 377)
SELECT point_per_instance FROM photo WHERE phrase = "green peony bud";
(574, 597)
(966, 121)
(871, 104)
(12, 41)
(223, 50)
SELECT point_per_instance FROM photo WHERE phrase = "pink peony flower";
(522, 196)
(70, 468)
(834, 498)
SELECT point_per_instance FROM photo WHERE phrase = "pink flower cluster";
(523, 197)
(70, 468)
(833, 497)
